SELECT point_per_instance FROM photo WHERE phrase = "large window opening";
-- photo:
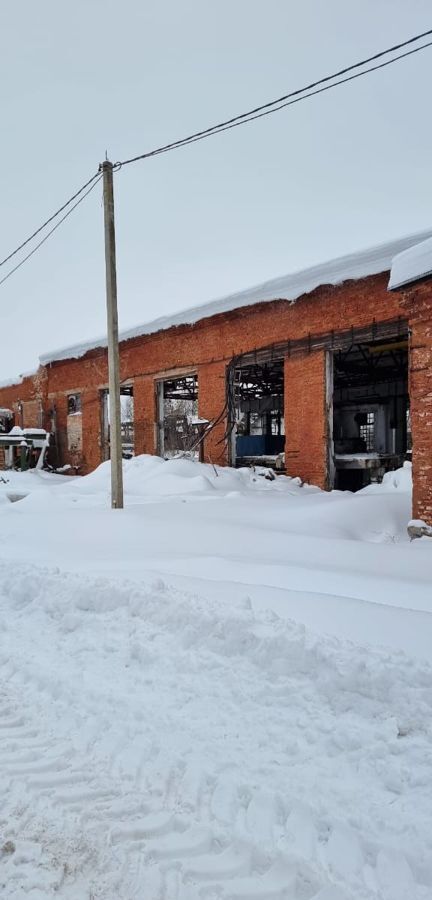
(178, 422)
(258, 399)
(6, 420)
(73, 404)
(371, 432)
(127, 422)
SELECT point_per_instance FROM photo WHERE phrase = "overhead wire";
(288, 99)
(296, 96)
(193, 140)
(57, 225)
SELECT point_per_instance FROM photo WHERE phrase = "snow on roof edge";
(371, 261)
(411, 265)
(13, 382)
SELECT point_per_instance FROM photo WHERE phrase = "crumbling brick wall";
(25, 400)
(208, 347)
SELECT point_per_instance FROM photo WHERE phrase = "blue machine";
(260, 444)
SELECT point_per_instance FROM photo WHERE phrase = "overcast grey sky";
(328, 176)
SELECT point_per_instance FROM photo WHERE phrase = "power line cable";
(57, 225)
(48, 221)
(256, 113)
(186, 141)
(287, 99)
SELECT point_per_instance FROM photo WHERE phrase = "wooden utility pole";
(113, 348)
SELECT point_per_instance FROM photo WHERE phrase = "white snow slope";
(222, 691)
(371, 261)
(411, 265)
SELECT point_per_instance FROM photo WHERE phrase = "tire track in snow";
(183, 848)
(121, 815)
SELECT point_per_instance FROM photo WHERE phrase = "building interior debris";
(178, 416)
(259, 414)
(371, 430)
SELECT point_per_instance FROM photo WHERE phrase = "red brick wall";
(145, 414)
(91, 428)
(211, 403)
(30, 394)
(305, 417)
(417, 303)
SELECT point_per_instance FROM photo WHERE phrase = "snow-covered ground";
(222, 691)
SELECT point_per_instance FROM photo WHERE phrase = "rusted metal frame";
(331, 340)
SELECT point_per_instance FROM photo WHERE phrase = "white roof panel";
(411, 265)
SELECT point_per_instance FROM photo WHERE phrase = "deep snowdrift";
(222, 691)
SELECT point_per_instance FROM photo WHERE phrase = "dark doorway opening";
(371, 431)
(178, 422)
(259, 433)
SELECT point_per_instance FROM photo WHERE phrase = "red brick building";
(325, 371)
